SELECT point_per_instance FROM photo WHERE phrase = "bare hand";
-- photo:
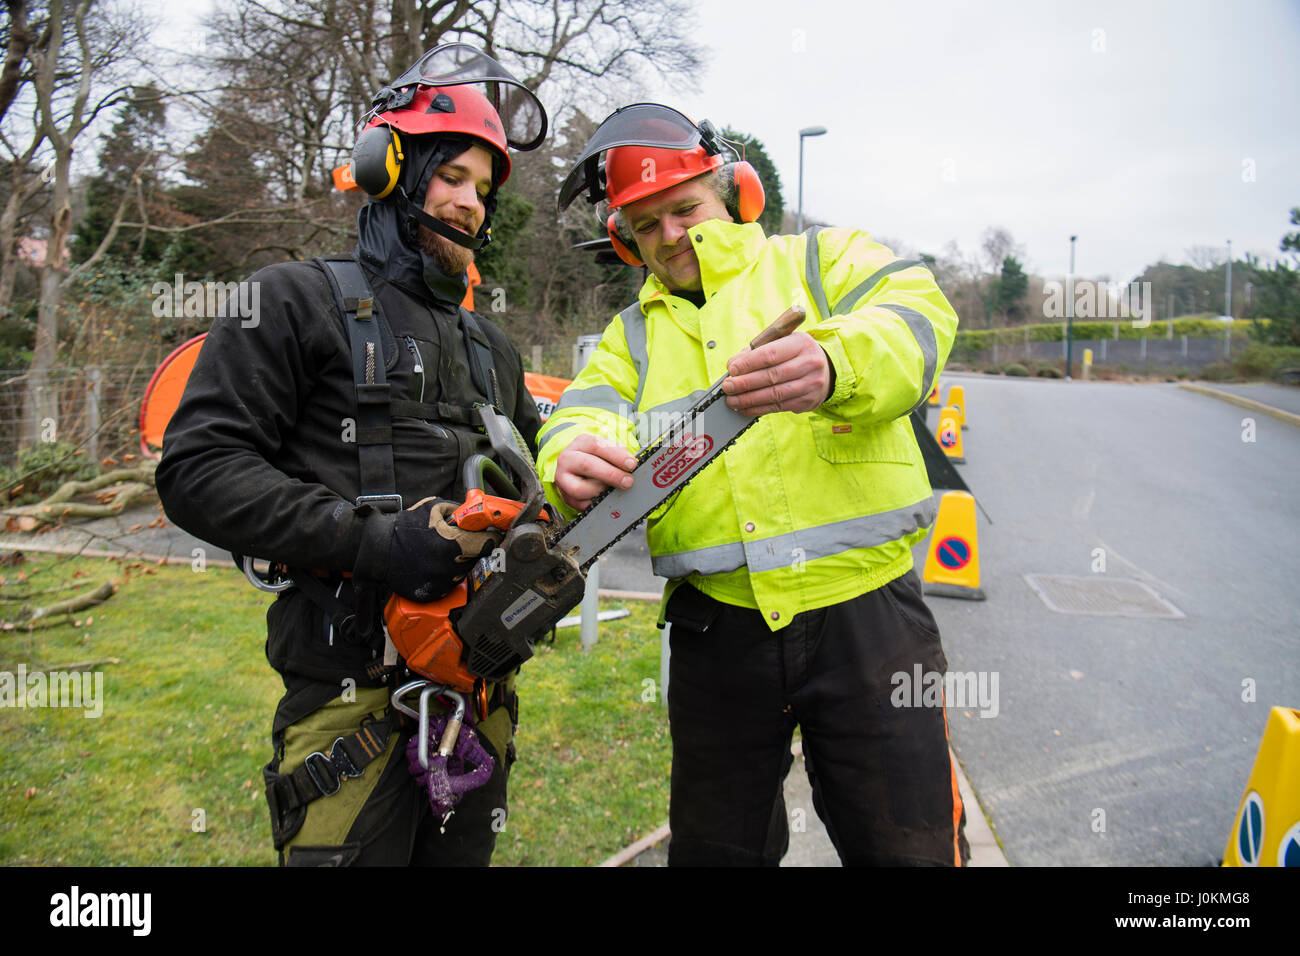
(588, 466)
(791, 374)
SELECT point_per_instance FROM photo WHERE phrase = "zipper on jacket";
(419, 362)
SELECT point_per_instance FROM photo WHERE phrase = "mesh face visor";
(641, 124)
(455, 64)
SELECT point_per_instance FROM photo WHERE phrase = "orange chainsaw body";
(426, 640)
(423, 633)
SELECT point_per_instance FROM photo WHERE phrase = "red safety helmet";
(647, 149)
(453, 89)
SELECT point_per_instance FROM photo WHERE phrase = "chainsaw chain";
(641, 457)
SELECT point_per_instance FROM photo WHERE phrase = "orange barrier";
(546, 391)
(163, 394)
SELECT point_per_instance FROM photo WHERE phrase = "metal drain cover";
(1123, 597)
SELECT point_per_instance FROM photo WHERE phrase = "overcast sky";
(1142, 127)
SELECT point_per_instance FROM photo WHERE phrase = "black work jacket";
(261, 459)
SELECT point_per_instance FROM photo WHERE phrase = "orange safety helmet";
(626, 169)
(647, 149)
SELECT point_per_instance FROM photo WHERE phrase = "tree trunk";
(40, 397)
(21, 188)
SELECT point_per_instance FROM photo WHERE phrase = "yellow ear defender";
(377, 160)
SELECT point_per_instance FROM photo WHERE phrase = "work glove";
(429, 554)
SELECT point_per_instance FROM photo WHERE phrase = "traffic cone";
(948, 435)
(1268, 819)
(957, 398)
(934, 394)
(952, 564)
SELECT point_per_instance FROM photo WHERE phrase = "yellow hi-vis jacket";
(804, 510)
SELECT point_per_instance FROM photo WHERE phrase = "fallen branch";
(78, 666)
(132, 484)
(60, 612)
(78, 603)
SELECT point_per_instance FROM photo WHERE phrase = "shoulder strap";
(482, 369)
(356, 302)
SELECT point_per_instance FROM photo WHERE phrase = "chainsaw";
(487, 625)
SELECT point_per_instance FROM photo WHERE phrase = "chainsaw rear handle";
(481, 471)
(481, 511)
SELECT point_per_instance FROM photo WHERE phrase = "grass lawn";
(170, 773)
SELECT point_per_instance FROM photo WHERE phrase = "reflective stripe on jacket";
(805, 510)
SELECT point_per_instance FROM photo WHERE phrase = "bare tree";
(1207, 258)
(961, 278)
(81, 52)
(18, 37)
(997, 244)
(569, 45)
(21, 37)
(294, 79)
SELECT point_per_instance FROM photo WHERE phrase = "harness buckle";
(338, 762)
(389, 504)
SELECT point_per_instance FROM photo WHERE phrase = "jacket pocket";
(842, 442)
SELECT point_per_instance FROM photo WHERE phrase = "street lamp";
(806, 131)
(1069, 312)
(1227, 292)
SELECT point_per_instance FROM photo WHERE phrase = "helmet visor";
(641, 124)
(454, 64)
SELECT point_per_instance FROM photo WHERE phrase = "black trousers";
(882, 777)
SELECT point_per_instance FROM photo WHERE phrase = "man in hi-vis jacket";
(792, 596)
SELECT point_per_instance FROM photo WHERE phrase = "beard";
(446, 255)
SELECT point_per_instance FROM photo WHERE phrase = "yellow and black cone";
(957, 399)
(948, 434)
(1268, 818)
(952, 563)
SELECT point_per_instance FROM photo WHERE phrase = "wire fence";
(96, 408)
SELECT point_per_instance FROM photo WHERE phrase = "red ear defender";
(749, 192)
(624, 253)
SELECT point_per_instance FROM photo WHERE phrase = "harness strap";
(356, 302)
(481, 367)
(322, 774)
(434, 411)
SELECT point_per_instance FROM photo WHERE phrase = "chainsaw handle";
(787, 322)
(480, 510)
(480, 471)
